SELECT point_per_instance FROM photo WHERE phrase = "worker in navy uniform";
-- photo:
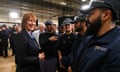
(80, 25)
(12, 35)
(100, 52)
(5, 36)
(17, 29)
(1, 50)
(61, 29)
(27, 50)
(49, 45)
(66, 42)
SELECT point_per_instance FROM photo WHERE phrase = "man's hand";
(42, 56)
(53, 38)
(69, 69)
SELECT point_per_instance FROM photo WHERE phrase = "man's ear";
(106, 15)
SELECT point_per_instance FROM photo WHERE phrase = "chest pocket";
(91, 57)
(96, 52)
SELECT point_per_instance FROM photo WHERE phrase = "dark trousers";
(48, 65)
(1, 51)
(13, 51)
(5, 51)
(63, 70)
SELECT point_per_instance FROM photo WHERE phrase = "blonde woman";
(27, 51)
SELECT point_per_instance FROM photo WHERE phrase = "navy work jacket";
(103, 55)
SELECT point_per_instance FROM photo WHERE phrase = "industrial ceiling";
(44, 9)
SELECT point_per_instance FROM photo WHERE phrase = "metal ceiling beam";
(48, 4)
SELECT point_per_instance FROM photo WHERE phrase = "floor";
(7, 64)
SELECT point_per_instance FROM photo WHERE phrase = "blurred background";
(11, 13)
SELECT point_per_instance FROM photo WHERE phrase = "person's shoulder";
(87, 38)
(63, 35)
(117, 36)
(21, 34)
(36, 32)
(73, 34)
(43, 34)
(118, 28)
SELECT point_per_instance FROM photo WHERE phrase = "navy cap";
(48, 22)
(114, 5)
(67, 21)
(80, 18)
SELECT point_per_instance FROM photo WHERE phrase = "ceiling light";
(13, 14)
(63, 3)
(50, 12)
(85, 7)
(83, 0)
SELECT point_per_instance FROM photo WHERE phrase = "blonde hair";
(26, 17)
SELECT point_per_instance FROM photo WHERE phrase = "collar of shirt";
(30, 34)
(110, 36)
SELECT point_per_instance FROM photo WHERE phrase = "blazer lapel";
(31, 40)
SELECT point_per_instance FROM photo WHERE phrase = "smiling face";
(29, 22)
